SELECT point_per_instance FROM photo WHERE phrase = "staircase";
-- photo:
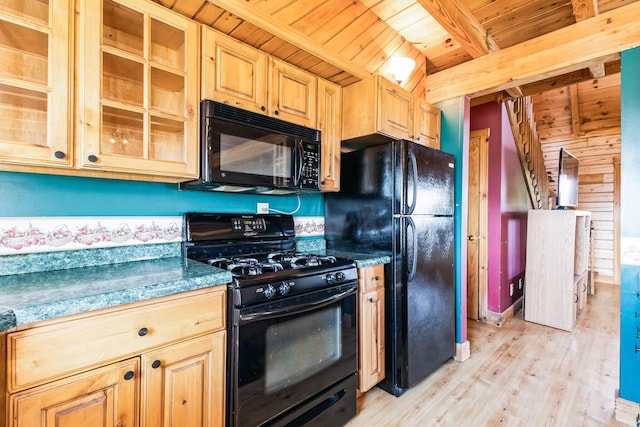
(523, 126)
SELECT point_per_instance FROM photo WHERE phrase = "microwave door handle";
(298, 154)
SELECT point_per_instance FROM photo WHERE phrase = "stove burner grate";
(241, 266)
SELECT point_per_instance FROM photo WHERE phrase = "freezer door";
(359, 217)
(428, 298)
(427, 180)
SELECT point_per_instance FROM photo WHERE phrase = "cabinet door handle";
(128, 375)
(156, 364)
(92, 158)
(576, 301)
(143, 331)
(59, 154)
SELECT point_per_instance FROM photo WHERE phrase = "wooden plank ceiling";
(346, 40)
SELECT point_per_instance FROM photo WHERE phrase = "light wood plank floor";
(522, 374)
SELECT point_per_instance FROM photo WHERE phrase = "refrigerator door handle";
(414, 182)
(414, 261)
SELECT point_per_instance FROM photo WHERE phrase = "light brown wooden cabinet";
(371, 342)
(137, 105)
(239, 75)
(106, 396)
(233, 72)
(35, 82)
(148, 363)
(426, 124)
(378, 109)
(330, 125)
(293, 94)
(376, 106)
(181, 383)
(557, 266)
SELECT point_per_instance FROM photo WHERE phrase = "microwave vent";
(238, 115)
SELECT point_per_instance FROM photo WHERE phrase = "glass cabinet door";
(34, 82)
(142, 60)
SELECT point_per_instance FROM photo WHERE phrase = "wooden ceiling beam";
(568, 49)
(250, 13)
(585, 9)
(582, 75)
(458, 20)
(462, 25)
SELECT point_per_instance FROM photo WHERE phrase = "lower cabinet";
(371, 327)
(106, 396)
(179, 382)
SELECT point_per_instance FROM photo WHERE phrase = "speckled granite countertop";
(362, 260)
(318, 246)
(45, 294)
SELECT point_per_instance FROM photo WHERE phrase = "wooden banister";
(523, 126)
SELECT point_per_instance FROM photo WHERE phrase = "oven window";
(267, 156)
(300, 348)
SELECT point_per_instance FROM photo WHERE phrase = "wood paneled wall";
(597, 157)
(584, 118)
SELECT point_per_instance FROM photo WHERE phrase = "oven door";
(284, 354)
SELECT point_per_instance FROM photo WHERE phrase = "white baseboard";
(627, 412)
(463, 351)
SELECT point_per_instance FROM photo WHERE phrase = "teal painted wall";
(454, 140)
(630, 226)
(24, 195)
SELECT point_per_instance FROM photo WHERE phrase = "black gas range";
(292, 342)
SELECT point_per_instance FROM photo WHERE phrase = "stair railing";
(523, 126)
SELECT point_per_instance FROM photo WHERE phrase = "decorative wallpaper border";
(309, 226)
(47, 234)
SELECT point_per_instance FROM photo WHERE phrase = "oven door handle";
(253, 315)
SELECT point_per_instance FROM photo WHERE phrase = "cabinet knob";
(376, 278)
(92, 158)
(263, 108)
(371, 300)
(143, 331)
(276, 112)
(576, 301)
(128, 375)
(59, 155)
(156, 364)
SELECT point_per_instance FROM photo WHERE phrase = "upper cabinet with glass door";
(138, 97)
(35, 83)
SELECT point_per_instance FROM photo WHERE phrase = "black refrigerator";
(397, 199)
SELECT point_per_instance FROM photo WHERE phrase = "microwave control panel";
(310, 177)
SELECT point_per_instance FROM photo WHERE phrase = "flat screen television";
(567, 195)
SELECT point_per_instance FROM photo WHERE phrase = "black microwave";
(243, 151)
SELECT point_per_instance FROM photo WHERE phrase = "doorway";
(477, 224)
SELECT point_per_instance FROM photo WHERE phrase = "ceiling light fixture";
(400, 67)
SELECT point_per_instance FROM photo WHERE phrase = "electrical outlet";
(263, 208)
(511, 290)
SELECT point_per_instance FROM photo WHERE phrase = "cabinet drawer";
(59, 348)
(371, 278)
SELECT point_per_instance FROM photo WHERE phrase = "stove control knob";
(284, 288)
(340, 276)
(269, 291)
(331, 278)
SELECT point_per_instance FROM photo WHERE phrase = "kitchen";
(28, 195)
